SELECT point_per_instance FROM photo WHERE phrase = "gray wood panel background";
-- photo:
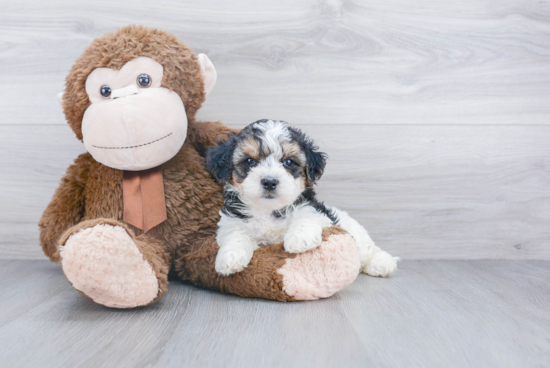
(435, 115)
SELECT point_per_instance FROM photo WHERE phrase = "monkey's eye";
(288, 163)
(144, 80)
(105, 92)
(251, 162)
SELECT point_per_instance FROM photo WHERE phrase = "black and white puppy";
(269, 169)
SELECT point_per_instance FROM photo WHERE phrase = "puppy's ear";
(315, 160)
(219, 159)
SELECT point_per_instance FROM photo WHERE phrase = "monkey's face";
(129, 96)
(133, 123)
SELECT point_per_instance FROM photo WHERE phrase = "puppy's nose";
(270, 183)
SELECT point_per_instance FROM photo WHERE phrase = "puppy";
(269, 169)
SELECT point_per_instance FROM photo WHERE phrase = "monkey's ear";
(208, 71)
(219, 159)
(60, 98)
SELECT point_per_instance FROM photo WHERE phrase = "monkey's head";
(130, 95)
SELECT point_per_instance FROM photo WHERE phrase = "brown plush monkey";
(141, 204)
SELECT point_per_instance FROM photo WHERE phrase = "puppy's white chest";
(268, 230)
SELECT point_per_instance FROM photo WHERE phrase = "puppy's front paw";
(381, 265)
(303, 238)
(232, 260)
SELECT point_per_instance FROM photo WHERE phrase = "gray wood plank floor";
(428, 314)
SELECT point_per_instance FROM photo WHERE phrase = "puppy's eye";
(144, 80)
(251, 162)
(105, 92)
(288, 163)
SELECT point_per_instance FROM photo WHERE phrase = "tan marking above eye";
(250, 147)
(240, 157)
(290, 149)
(298, 159)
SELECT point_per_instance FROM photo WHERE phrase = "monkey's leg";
(105, 261)
(275, 274)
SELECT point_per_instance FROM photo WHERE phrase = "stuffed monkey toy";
(140, 205)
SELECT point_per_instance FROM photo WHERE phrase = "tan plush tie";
(143, 194)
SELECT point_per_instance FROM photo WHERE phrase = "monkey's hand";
(203, 135)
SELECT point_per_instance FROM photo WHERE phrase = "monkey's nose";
(126, 91)
(269, 184)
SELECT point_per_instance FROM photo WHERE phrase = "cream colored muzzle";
(136, 129)
(126, 91)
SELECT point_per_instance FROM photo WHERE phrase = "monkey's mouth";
(139, 145)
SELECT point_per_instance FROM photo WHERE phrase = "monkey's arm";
(66, 208)
(205, 134)
(275, 274)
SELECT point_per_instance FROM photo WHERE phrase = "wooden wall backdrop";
(435, 114)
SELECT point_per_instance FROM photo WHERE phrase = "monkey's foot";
(104, 263)
(321, 272)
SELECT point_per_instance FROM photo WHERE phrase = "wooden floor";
(429, 314)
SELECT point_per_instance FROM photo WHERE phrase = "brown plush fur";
(91, 193)
(113, 50)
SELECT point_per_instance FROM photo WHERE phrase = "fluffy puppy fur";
(269, 169)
